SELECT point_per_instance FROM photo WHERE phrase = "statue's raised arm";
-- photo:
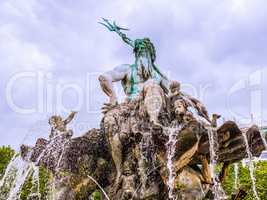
(115, 28)
(70, 117)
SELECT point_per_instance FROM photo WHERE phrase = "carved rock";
(75, 161)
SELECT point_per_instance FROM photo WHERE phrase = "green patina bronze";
(140, 47)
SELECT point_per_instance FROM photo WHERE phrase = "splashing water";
(236, 172)
(217, 189)
(15, 175)
(55, 150)
(19, 169)
(56, 141)
(263, 139)
(35, 179)
(43, 152)
(146, 157)
(61, 155)
(251, 166)
(170, 146)
(8, 168)
(51, 189)
(99, 186)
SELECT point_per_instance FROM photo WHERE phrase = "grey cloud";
(210, 42)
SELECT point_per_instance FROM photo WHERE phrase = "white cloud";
(201, 42)
(17, 8)
(17, 54)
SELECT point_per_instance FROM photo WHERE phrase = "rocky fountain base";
(171, 162)
(159, 145)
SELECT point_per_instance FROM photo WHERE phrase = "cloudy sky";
(51, 52)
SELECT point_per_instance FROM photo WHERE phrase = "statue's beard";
(144, 64)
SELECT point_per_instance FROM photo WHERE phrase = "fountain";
(251, 166)
(263, 139)
(8, 169)
(217, 189)
(132, 155)
(14, 178)
(35, 190)
(236, 173)
(170, 146)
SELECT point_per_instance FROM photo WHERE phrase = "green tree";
(244, 180)
(29, 187)
(6, 154)
(96, 195)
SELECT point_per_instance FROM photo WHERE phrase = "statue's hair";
(145, 43)
(54, 118)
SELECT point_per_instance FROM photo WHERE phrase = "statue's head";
(55, 120)
(144, 47)
(141, 47)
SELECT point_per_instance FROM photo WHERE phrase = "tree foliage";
(244, 180)
(6, 154)
(29, 187)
